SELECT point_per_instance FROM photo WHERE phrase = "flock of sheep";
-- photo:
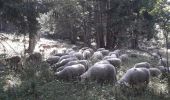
(102, 66)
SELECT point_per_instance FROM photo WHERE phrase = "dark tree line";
(108, 23)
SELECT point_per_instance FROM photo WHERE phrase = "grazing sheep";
(62, 63)
(124, 58)
(87, 54)
(113, 55)
(78, 55)
(71, 72)
(105, 52)
(65, 57)
(117, 52)
(103, 62)
(71, 52)
(101, 73)
(53, 59)
(135, 78)
(97, 56)
(155, 72)
(108, 57)
(115, 62)
(163, 69)
(83, 62)
(142, 65)
(163, 62)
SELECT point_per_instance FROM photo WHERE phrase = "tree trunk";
(32, 43)
(134, 40)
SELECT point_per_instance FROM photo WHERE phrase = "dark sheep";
(71, 72)
(142, 65)
(135, 78)
(100, 73)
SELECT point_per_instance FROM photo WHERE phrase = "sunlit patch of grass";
(11, 81)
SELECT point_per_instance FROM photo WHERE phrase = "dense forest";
(84, 49)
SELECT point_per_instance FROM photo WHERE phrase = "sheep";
(103, 62)
(124, 58)
(52, 60)
(97, 56)
(100, 73)
(105, 52)
(115, 62)
(62, 63)
(108, 57)
(71, 72)
(163, 69)
(113, 55)
(86, 48)
(78, 55)
(163, 62)
(83, 62)
(142, 65)
(117, 52)
(83, 49)
(66, 56)
(155, 72)
(87, 54)
(135, 78)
